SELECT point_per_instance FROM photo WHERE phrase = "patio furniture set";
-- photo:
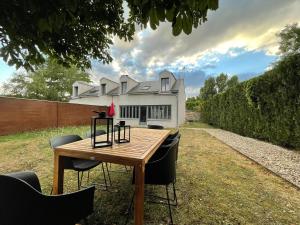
(152, 153)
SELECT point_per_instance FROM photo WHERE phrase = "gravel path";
(283, 162)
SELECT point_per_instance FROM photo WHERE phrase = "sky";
(239, 38)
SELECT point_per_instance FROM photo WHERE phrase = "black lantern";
(101, 119)
(123, 132)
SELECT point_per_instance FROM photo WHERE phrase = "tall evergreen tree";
(209, 89)
(221, 82)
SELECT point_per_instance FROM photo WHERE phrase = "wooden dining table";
(143, 144)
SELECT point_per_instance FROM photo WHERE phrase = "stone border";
(282, 162)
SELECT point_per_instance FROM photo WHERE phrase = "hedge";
(266, 107)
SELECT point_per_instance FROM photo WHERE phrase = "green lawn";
(215, 184)
(196, 124)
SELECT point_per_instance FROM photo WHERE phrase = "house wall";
(167, 74)
(81, 88)
(181, 103)
(110, 85)
(150, 99)
(130, 82)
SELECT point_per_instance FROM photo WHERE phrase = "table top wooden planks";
(143, 143)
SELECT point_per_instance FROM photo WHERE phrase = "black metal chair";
(170, 138)
(161, 170)
(22, 202)
(157, 127)
(173, 136)
(79, 165)
(98, 133)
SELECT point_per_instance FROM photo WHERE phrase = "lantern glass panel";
(122, 133)
(103, 140)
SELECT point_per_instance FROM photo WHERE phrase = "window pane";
(123, 87)
(103, 89)
(164, 84)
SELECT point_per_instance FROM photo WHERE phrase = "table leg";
(58, 176)
(139, 194)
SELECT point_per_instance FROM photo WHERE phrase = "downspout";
(177, 126)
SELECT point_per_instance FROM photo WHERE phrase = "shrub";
(265, 107)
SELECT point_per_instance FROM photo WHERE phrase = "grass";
(215, 184)
(196, 124)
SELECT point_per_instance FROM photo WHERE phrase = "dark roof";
(145, 87)
(142, 88)
(92, 92)
(114, 91)
(175, 87)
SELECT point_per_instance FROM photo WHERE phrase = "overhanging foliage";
(76, 31)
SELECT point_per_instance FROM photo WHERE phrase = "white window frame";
(123, 88)
(165, 86)
(76, 91)
(159, 112)
(103, 89)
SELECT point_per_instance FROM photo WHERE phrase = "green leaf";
(170, 14)
(161, 14)
(191, 3)
(43, 25)
(213, 4)
(153, 19)
(177, 28)
(187, 24)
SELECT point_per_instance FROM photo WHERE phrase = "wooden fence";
(18, 115)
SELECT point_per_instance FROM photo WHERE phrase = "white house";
(159, 102)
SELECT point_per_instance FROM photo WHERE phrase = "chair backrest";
(98, 133)
(29, 177)
(174, 135)
(21, 203)
(62, 140)
(162, 171)
(158, 127)
(177, 145)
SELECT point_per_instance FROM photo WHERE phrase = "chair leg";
(79, 179)
(78, 183)
(174, 194)
(88, 177)
(170, 211)
(129, 209)
(104, 176)
(108, 174)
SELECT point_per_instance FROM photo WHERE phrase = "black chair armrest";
(29, 177)
(160, 153)
(71, 207)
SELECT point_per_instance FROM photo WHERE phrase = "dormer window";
(165, 84)
(103, 89)
(76, 91)
(123, 88)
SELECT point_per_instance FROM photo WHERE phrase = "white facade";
(160, 102)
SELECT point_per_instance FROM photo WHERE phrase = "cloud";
(238, 38)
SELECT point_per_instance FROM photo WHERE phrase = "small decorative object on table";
(101, 119)
(122, 131)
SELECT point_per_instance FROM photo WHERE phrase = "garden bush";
(265, 107)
